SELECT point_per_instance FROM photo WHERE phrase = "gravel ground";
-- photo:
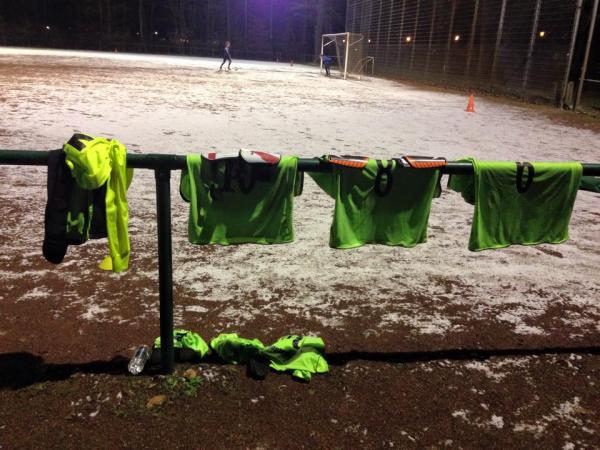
(454, 348)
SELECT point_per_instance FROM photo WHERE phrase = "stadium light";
(156, 33)
(408, 39)
(369, 41)
(542, 34)
(457, 38)
(48, 27)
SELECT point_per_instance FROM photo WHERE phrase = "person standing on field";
(327, 64)
(226, 56)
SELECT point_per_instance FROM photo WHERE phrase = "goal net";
(348, 51)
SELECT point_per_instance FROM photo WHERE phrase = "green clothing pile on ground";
(302, 356)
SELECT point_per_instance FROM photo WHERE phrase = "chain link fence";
(520, 48)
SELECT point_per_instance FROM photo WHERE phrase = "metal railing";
(162, 166)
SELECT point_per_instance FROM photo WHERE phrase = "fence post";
(587, 54)
(430, 36)
(165, 267)
(472, 39)
(450, 28)
(389, 33)
(536, 19)
(401, 36)
(414, 41)
(498, 40)
(378, 29)
(570, 54)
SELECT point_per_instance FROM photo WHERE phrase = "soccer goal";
(348, 51)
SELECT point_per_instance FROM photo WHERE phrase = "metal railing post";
(165, 268)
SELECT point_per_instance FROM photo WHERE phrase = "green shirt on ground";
(232, 202)
(503, 215)
(303, 356)
(363, 217)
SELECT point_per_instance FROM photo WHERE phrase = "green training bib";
(380, 204)
(519, 203)
(232, 202)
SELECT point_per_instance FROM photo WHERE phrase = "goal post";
(348, 49)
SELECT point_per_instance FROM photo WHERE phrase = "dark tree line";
(258, 29)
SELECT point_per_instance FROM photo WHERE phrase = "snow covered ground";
(436, 293)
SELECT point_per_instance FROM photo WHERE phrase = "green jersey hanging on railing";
(233, 201)
(378, 202)
(519, 203)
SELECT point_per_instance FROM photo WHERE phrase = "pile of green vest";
(302, 356)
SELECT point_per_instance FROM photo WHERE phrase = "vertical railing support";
(165, 268)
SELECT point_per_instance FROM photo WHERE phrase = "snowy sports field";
(496, 347)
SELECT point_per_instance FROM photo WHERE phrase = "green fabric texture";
(363, 217)
(300, 355)
(234, 349)
(79, 216)
(104, 161)
(221, 213)
(504, 216)
(187, 339)
(590, 184)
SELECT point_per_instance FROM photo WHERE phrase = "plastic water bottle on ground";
(137, 363)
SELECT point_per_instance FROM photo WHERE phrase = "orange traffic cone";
(471, 105)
